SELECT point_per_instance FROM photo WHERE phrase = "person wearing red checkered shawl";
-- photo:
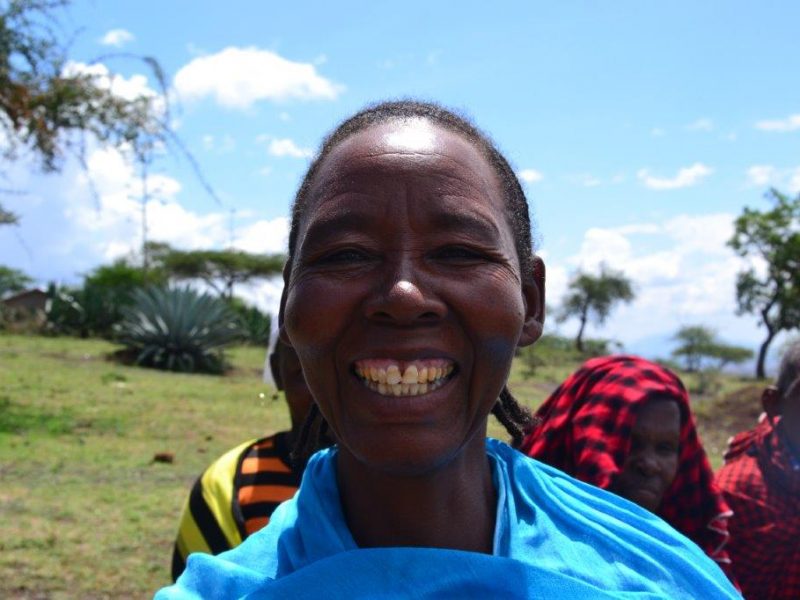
(588, 429)
(761, 482)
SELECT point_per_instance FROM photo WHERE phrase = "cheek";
(312, 315)
(670, 469)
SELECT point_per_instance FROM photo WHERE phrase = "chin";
(402, 454)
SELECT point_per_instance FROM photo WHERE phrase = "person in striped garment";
(236, 494)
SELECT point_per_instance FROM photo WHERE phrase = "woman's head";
(410, 283)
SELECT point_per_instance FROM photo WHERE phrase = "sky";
(640, 131)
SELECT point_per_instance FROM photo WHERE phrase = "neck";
(452, 507)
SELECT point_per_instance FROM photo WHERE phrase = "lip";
(392, 410)
(404, 354)
(646, 491)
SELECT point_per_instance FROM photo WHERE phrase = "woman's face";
(652, 462)
(405, 301)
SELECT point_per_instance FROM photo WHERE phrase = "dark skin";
(787, 407)
(405, 253)
(288, 376)
(652, 461)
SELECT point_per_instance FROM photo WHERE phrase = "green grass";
(84, 509)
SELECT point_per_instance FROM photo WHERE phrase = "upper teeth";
(386, 378)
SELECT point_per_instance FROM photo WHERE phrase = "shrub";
(178, 329)
(96, 307)
(254, 324)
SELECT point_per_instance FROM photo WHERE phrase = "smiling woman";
(410, 283)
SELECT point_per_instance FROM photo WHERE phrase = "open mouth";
(404, 378)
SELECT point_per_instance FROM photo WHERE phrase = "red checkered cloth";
(761, 482)
(585, 430)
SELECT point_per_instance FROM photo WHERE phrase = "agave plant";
(178, 329)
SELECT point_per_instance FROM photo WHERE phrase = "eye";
(345, 255)
(459, 254)
(667, 448)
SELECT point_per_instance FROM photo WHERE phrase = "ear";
(533, 294)
(771, 402)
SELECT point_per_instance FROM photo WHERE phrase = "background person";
(761, 482)
(409, 286)
(237, 493)
(624, 424)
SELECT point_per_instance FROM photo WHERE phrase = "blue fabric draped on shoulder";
(555, 537)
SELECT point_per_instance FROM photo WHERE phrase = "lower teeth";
(404, 389)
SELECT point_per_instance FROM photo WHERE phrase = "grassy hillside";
(84, 509)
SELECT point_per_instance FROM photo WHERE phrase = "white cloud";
(117, 38)
(703, 124)
(239, 77)
(761, 175)
(686, 177)
(790, 123)
(530, 175)
(287, 147)
(657, 132)
(787, 179)
(682, 270)
(69, 230)
(130, 88)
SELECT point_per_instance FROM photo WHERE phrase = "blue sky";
(642, 129)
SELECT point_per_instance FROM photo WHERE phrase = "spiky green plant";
(178, 329)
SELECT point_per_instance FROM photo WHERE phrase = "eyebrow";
(326, 227)
(466, 222)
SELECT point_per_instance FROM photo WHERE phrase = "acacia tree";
(594, 296)
(220, 269)
(770, 287)
(698, 342)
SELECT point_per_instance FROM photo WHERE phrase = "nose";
(647, 464)
(403, 299)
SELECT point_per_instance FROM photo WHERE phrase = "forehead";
(658, 414)
(412, 152)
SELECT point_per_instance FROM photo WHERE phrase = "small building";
(31, 301)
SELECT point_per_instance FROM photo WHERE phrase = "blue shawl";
(555, 537)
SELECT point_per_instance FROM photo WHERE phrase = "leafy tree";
(695, 340)
(698, 342)
(594, 296)
(727, 354)
(12, 281)
(770, 288)
(221, 269)
(51, 110)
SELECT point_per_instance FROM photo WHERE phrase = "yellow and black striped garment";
(234, 498)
